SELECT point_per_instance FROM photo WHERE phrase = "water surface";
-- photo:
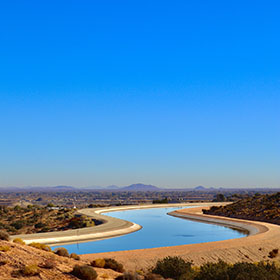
(159, 230)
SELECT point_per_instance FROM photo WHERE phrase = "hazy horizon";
(172, 94)
(121, 186)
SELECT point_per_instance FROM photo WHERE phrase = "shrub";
(249, 271)
(18, 224)
(217, 271)
(75, 256)
(5, 248)
(84, 272)
(30, 270)
(17, 208)
(40, 225)
(40, 246)
(272, 254)
(76, 222)
(4, 235)
(61, 252)
(113, 264)
(98, 263)
(238, 271)
(172, 267)
(19, 241)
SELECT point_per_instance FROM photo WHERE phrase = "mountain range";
(130, 188)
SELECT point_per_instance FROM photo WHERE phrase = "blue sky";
(175, 94)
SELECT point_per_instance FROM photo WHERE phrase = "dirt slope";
(18, 256)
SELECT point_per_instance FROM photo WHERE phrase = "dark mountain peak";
(140, 187)
(200, 188)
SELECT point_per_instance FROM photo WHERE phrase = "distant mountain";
(140, 187)
(200, 188)
(112, 187)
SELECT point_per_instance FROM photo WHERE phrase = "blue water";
(159, 230)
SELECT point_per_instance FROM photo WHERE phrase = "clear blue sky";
(171, 93)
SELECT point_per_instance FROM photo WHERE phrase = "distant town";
(72, 197)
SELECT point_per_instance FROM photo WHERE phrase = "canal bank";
(253, 248)
(111, 227)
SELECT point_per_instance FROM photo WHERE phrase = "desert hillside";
(25, 262)
(265, 208)
(36, 219)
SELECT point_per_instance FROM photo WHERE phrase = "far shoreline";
(111, 227)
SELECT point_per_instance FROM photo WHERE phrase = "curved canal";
(159, 230)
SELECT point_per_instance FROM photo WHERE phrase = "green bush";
(249, 271)
(84, 272)
(113, 264)
(172, 267)
(213, 271)
(5, 248)
(75, 256)
(4, 235)
(18, 224)
(98, 263)
(40, 225)
(19, 241)
(61, 252)
(30, 270)
(40, 246)
(238, 271)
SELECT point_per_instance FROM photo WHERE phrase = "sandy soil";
(264, 237)
(13, 260)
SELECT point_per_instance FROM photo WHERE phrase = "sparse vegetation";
(215, 271)
(98, 263)
(264, 208)
(19, 241)
(113, 264)
(40, 246)
(75, 256)
(84, 272)
(5, 248)
(35, 219)
(161, 201)
(61, 252)
(30, 270)
(4, 235)
(172, 267)
(219, 198)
